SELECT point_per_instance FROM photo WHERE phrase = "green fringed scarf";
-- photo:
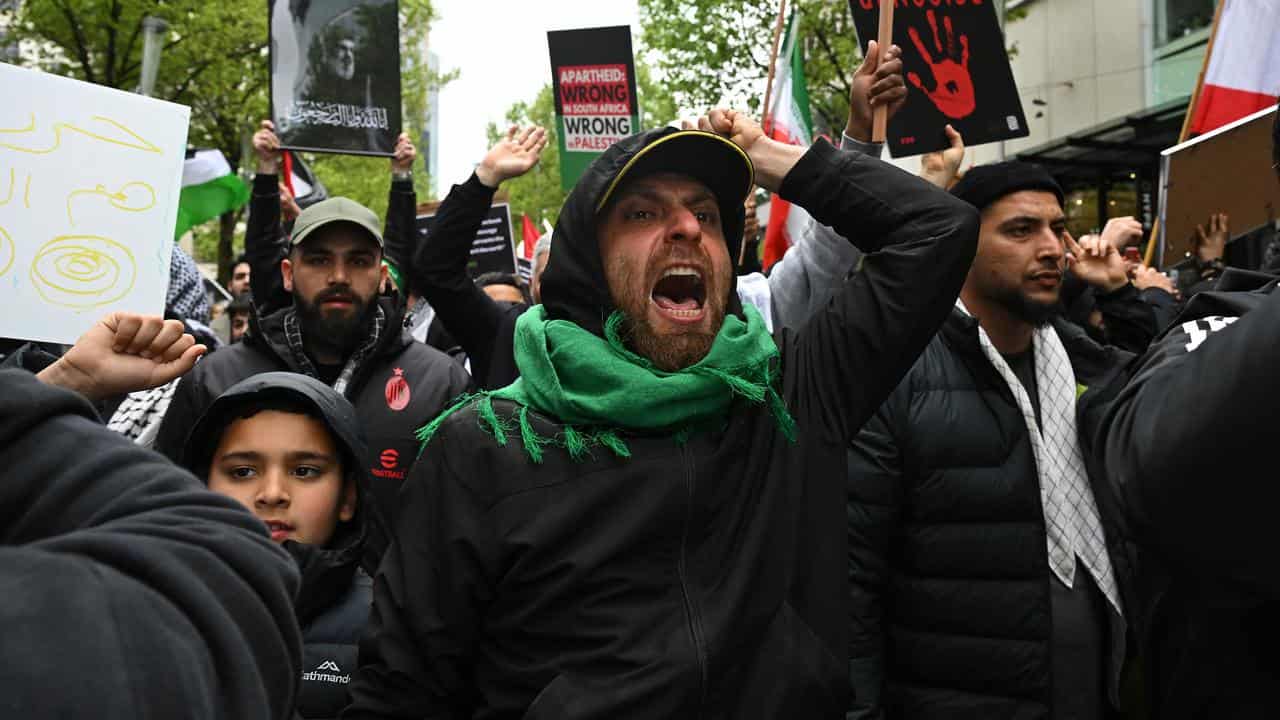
(596, 387)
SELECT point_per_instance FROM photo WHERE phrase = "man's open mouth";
(680, 293)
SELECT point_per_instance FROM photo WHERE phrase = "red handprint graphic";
(953, 92)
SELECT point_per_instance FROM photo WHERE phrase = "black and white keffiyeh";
(1073, 526)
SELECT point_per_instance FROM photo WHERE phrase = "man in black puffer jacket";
(341, 332)
(986, 570)
(662, 537)
(290, 449)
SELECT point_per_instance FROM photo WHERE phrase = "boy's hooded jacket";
(702, 578)
(333, 605)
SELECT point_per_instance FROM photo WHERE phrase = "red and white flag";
(1243, 74)
(791, 124)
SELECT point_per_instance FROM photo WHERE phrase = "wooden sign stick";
(880, 116)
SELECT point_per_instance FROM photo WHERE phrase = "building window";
(1177, 19)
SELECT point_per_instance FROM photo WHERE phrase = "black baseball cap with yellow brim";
(336, 210)
(711, 159)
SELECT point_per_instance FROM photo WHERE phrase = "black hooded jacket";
(1185, 442)
(703, 579)
(128, 590)
(332, 606)
(399, 387)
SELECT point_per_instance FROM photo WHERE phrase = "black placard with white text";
(493, 249)
(335, 78)
(957, 71)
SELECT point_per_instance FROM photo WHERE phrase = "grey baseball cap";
(337, 209)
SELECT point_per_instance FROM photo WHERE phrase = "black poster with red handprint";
(957, 72)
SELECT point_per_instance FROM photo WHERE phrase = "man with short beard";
(649, 522)
(340, 331)
(986, 569)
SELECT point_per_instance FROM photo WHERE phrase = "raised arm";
(807, 275)
(265, 244)
(920, 242)
(440, 262)
(400, 229)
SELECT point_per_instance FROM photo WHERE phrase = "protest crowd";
(942, 460)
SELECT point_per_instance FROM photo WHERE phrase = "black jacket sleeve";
(130, 591)
(400, 231)
(1130, 321)
(874, 503)
(1184, 444)
(440, 266)
(265, 246)
(920, 241)
(429, 596)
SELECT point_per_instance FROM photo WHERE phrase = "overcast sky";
(500, 47)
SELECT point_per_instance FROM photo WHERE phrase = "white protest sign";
(89, 185)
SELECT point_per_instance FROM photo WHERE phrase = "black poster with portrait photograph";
(335, 75)
(957, 72)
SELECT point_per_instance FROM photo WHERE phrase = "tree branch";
(77, 35)
(111, 44)
(842, 83)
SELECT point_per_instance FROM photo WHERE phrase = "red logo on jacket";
(397, 391)
(389, 458)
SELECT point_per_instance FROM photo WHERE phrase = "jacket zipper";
(695, 625)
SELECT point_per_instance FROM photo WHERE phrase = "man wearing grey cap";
(338, 330)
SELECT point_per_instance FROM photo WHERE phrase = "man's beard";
(336, 331)
(1035, 313)
(673, 352)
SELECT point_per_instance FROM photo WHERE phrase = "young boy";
(289, 449)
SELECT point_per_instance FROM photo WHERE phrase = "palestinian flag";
(209, 189)
(789, 123)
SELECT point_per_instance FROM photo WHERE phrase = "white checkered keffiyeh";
(1073, 527)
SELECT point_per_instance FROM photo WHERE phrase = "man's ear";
(384, 275)
(286, 272)
(347, 508)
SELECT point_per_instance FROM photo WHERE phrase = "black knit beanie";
(985, 184)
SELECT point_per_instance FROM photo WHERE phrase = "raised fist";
(952, 92)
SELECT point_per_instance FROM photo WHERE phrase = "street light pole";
(153, 32)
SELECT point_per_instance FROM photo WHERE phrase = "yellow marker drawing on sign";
(118, 199)
(13, 184)
(7, 252)
(13, 181)
(83, 271)
(58, 127)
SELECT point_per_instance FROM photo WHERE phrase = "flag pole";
(1186, 122)
(773, 67)
(767, 114)
(880, 116)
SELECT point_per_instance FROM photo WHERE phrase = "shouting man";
(650, 521)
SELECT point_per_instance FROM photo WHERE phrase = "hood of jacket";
(327, 571)
(574, 286)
